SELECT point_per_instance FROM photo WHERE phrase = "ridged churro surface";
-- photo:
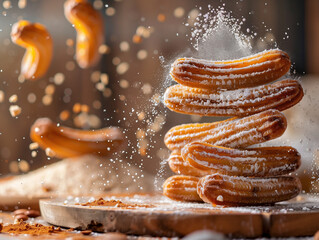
(250, 71)
(229, 190)
(235, 133)
(181, 188)
(254, 162)
(179, 166)
(241, 102)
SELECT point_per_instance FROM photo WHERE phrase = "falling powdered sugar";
(216, 35)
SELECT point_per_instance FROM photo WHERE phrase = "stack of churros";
(212, 160)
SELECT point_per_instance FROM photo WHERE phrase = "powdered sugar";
(231, 103)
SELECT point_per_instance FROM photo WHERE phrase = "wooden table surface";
(8, 218)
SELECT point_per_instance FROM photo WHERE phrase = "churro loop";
(68, 142)
(181, 188)
(241, 102)
(250, 71)
(254, 162)
(235, 133)
(179, 166)
(231, 190)
(37, 41)
(88, 23)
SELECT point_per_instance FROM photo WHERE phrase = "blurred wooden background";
(299, 20)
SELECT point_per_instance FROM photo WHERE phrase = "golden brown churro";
(235, 133)
(254, 162)
(88, 23)
(242, 102)
(229, 190)
(251, 71)
(68, 142)
(233, 175)
(181, 188)
(38, 43)
(179, 166)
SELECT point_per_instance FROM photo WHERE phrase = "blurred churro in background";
(37, 41)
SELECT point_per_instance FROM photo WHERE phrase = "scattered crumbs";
(24, 166)
(50, 89)
(32, 229)
(1, 96)
(49, 152)
(104, 49)
(64, 115)
(14, 167)
(179, 12)
(6, 4)
(33, 146)
(122, 68)
(13, 98)
(85, 108)
(47, 100)
(15, 110)
(59, 78)
(136, 39)
(124, 46)
(22, 4)
(110, 11)
(76, 108)
(116, 203)
(142, 54)
(124, 83)
(34, 154)
(161, 17)
(21, 79)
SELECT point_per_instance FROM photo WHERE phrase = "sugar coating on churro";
(232, 88)
(247, 191)
(179, 166)
(250, 71)
(280, 95)
(181, 188)
(236, 133)
(256, 162)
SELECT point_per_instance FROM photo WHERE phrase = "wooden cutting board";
(299, 217)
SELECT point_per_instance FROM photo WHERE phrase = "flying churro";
(236, 133)
(251, 71)
(67, 142)
(88, 23)
(230, 190)
(241, 102)
(39, 47)
(254, 162)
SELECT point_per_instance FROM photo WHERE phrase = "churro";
(250, 71)
(254, 162)
(235, 133)
(88, 23)
(179, 166)
(241, 102)
(181, 188)
(67, 142)
(37, 41)
(231, 190)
